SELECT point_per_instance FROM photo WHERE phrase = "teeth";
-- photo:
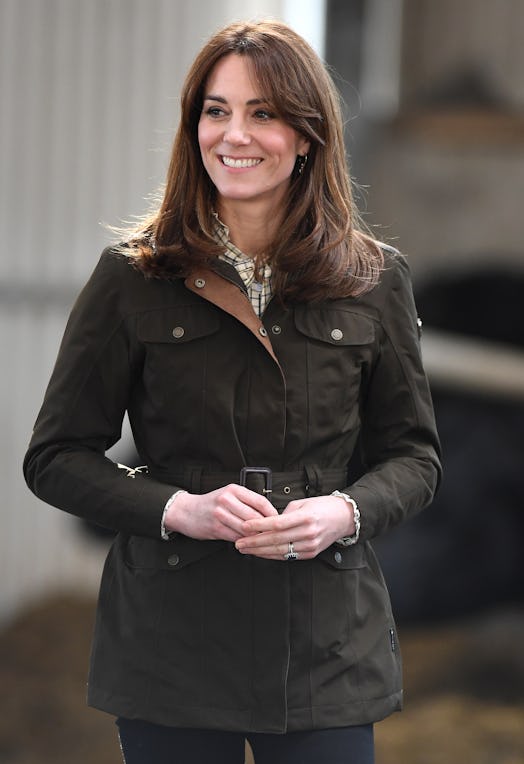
(230, 162)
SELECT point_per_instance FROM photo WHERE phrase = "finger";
(268, 549)
(231, 514)
(277, 523)
(229, 523)
(278, 552)
(232, 508)
(269, 540)
(227, 533)
(237, 501)
(254, 500)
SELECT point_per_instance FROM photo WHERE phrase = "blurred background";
(434, 95)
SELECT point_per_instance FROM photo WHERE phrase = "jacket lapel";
(232, 299)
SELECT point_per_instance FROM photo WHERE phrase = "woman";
(255, 336)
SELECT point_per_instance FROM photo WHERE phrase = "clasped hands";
(237, 514)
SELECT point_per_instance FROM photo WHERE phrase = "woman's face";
(248, 152)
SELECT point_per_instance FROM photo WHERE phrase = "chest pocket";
(339, 349)
(335, 326)
(176, 344)
(177, 326)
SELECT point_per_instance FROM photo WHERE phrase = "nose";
(236, 133)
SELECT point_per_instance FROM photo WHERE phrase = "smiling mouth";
(239, 163)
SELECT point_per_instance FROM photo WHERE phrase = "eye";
(263, 115)
(214, 111)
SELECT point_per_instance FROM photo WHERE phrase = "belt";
(279, 487)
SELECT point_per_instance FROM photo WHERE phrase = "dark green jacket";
(192, 633)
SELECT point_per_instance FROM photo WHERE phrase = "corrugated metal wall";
(88, 103)
(85, 102)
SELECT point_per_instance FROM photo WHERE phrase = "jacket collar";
(222, 286)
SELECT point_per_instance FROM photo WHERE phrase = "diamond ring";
(291, 554)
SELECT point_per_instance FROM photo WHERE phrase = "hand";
(219, 514)
(311, 524)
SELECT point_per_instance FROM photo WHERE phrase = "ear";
(303, 146)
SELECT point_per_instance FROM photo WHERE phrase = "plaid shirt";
(258, 292)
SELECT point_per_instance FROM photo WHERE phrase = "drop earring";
(301, 163)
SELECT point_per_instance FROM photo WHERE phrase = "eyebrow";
(221, 99)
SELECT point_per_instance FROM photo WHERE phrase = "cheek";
(291, 146)
(201, 137)
(207, 137)
(289, 153)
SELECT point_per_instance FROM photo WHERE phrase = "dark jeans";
(146, 743)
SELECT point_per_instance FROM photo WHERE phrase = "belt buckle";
(265, 471)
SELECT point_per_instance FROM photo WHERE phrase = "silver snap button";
(338, 557)
(200, 283)
(262, 331)
(337, 334)
(276, 329)
(173, 560)
(287, 489)
(178, 332)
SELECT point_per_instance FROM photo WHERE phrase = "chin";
(237, 194)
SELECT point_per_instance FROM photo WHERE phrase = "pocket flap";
(335, 326)
(145, 553)
(177, 325)
(344, 557)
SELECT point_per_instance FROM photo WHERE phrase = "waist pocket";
(149, 554)
(344, 557)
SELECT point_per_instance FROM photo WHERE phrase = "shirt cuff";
(349, 540)
(165, 535)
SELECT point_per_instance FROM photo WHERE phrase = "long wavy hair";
(321, 250)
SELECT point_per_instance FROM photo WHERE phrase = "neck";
(251, 230)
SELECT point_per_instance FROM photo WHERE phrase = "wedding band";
(291, 554)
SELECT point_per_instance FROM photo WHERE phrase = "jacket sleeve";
(400, 446)
(81, 416)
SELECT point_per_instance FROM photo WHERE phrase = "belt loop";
(313, 480)
(195, 480)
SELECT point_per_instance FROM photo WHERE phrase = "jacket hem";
(245, 720)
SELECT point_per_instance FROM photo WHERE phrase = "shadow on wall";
(464, 554)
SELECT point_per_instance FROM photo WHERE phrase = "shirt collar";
(244, 264)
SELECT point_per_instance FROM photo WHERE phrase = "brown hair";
(321, 252)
